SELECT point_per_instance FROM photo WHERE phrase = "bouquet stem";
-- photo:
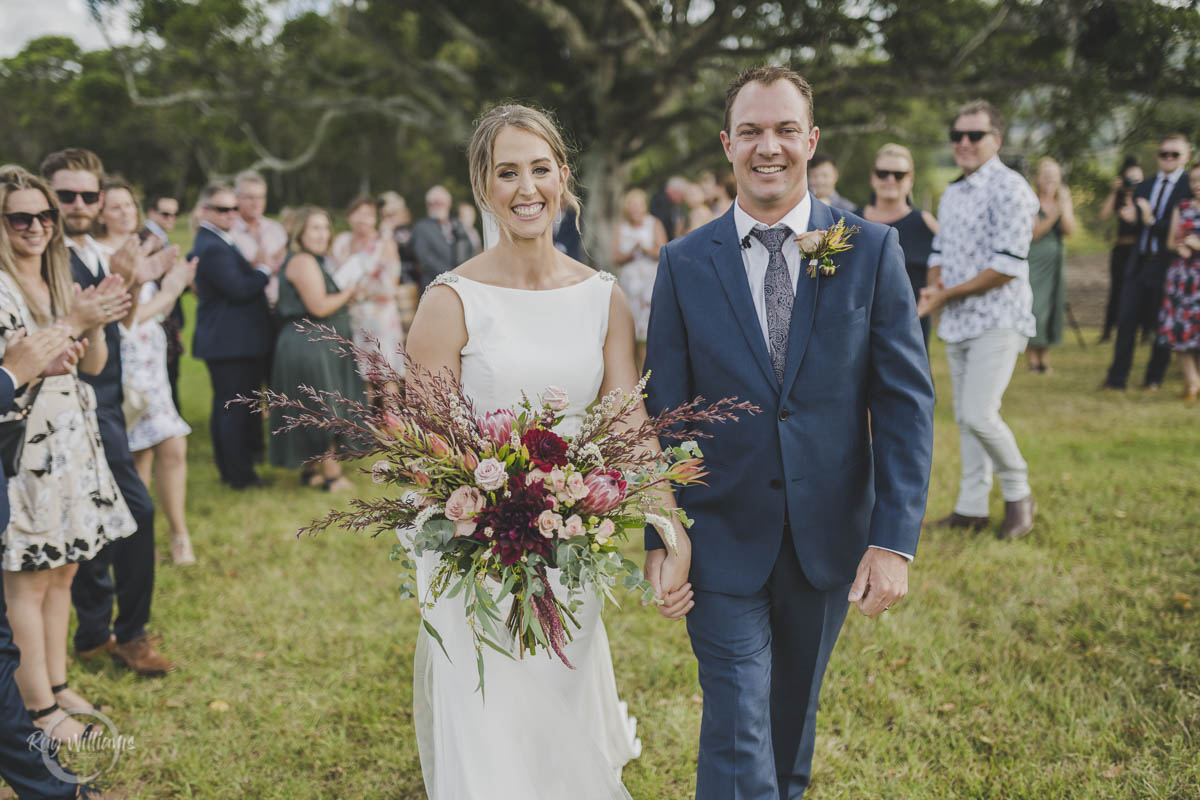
(546, 614)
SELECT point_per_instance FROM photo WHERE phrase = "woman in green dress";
(308, 292)
(1047, 261)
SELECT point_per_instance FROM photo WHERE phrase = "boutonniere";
(819, 247)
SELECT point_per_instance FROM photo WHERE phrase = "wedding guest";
(891, 190)
(1120, 202)
(822, 179)
(1055, 221)
(468, 216)
(638, 237)
(1180, 318)
(162, 212)
(234, 334)
(699, 212)
(154, 425)
(725, 192)
(667, 206)
(75, 175)
(394, 213)
(308, 292)
(26, 768)
(373, 311)
(979, 277)
(1142, 288)
(566, 235)
(439, 241)
(65, 506)
(261, 239)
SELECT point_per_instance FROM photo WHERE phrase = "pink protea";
(606, 490)
(469, 461)
(439, 445)
(497, 426)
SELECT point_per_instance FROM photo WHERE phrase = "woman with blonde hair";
(892, 180)
(636, 241)
(1055, 221)
(65, 505)
(515, 319)
(307, 291)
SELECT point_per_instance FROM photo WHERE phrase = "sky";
(22, 20)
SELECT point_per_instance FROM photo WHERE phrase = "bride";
(519, 317)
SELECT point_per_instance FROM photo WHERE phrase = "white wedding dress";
(543, 731)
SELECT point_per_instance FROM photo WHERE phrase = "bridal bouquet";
(501, 498)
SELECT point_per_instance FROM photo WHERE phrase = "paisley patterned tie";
(780, 294)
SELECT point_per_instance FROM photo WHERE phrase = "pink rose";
(490, 475)
(605, 531)
(558, 480)
(463, 503)
(497, 426)
(576, 487)
(548, 522)
(606, 490)
(535, 476)
(573, 526)
(809, 241)
(380, 471)
(464, 528)
(555, 398)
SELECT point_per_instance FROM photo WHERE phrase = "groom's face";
(769, 142)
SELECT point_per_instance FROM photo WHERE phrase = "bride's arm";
(438, 332)
(666, 571)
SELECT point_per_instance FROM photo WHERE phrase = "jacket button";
(776, 483)
(783, 415)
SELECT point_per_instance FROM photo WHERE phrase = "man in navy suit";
(234, 334)
(23, 767)
(76, 177)
(1142, 288)
(817, 502)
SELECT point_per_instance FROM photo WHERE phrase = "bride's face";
(527, 183)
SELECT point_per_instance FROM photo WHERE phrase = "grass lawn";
(1063, 665)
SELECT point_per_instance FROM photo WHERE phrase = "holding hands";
(667, 572)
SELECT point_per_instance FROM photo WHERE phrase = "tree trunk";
(603, 175)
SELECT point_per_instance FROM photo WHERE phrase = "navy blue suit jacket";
(809, 459)
(233, 319)
(1153, 271)
(106, 383)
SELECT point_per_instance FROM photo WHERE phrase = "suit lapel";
(805, 307)
(727, 260)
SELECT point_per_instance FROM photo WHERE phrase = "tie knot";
(772, 238)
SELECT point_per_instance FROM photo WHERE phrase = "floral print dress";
(1179, 320)
(65, 504)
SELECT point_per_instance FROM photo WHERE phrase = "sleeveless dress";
(299, 362)
(637, 276)
(542, 731)
(1179, 319)
(375, 311)
(144, 367)
(1047, 278)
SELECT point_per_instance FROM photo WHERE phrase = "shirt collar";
(89, 253)
(797, 219)
(225, 237)
(980, 175)
(1172, 176)
(156, 229)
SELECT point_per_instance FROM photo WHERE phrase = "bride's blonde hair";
(481, 151)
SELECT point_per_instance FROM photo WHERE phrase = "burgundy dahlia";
(606, 490)
(513, 521)
(547, 450)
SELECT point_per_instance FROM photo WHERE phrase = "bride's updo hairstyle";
(481, 153)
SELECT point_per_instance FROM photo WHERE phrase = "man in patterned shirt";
(979, 278)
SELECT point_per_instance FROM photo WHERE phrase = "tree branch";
(979, 38)
(639, 15)
(566, 23)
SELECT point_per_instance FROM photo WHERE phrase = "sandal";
(48, 730)
(63, 687)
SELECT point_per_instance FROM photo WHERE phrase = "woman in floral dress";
(1179, 321)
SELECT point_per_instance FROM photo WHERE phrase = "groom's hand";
(674, 605)
(881, 582)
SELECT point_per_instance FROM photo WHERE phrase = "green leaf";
(507, 587)
(437, 637)
(497, 648)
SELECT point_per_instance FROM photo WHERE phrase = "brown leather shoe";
(141, 657)
(958, 521)
(1018, 518)
(107, 647)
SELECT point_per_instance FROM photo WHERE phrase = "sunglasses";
(168, 214)
(222, 209)
(1165, 154)
(23, 221)
(67, 197)
(956, 135)
(883, 174)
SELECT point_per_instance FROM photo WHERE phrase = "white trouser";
(980, 370)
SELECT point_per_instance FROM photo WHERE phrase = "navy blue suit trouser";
(1140, 303)
(762, 658)
(21, 766)
(236, 431)
(131, 560)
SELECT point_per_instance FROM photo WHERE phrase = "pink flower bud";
(605, 531)
(810, 241)
(606, 490)
(470, 461)
(439, 445)
(573, 526)
(497, 426)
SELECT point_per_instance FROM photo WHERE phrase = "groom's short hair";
(768, 75)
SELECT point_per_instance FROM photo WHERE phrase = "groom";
(817, 502)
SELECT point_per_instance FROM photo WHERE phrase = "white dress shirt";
(91, 254)
(756, 257)
(229, 240)
(1159, 195)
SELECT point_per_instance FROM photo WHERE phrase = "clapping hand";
(180, 276)
(67, 360)
(152, 267)
(881, 581)
(100, 304)
(28, 355)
